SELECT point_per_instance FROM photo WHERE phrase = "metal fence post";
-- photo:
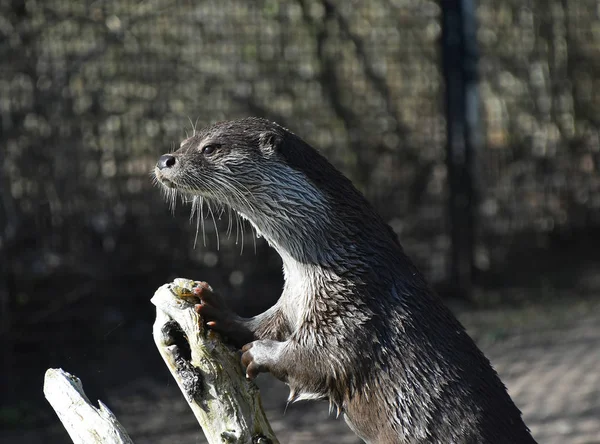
(459, 58)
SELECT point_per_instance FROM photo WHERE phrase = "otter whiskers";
(225, 196)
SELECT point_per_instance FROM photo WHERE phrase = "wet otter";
(356, 323)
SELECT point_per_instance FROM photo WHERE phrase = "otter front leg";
(306, 371)
(219, 317)
(309, 373)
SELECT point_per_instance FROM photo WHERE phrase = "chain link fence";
(93, 92)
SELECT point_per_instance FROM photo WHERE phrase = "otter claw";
(252, 368)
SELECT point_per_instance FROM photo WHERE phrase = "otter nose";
(166, 161)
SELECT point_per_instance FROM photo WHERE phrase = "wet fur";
(356, 323)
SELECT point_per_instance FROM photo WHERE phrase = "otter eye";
(207, 150)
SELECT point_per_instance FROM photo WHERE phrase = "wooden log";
(208, 372)
(85, 423)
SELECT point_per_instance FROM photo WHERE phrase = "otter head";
(254, 167)
(210, 162)
(300, 203)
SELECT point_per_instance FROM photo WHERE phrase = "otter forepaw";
(206, 294)
(218, 317)
(262, 356)
(213, 310)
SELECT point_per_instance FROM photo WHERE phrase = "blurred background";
(473, 127)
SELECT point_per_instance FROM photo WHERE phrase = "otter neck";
(298, 241)
(293, 216)
(305, 254)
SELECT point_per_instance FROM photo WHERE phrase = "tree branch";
(85, 423)
(208, 372)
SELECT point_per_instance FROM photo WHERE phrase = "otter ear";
(269, 142)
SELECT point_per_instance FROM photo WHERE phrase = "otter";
(356, 324)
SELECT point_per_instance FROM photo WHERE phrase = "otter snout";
(165, 169)
(166, 161)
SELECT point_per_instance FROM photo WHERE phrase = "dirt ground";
(547, 355)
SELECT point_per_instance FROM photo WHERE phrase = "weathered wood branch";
(85, 423)
(208, 372)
